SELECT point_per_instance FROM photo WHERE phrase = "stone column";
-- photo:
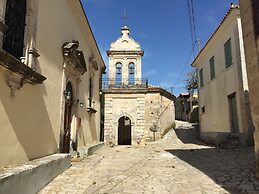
(248, 8)
(31, 53)
(112, 71)
(138, 71)
(125, 73)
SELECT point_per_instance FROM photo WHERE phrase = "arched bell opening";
(118, 78)
(131, 73)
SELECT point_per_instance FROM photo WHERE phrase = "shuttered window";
(15, 16)
(201, 78)
(212, 68)
(228, 53)
(233, 113)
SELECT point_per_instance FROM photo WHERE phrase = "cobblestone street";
(167, 166)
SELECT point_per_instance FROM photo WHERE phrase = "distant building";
(250, 17)
(135, 112)
(224, 113)
(50, 73)
(186, 107)
(182, 107)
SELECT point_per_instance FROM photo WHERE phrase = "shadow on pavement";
(234, 170)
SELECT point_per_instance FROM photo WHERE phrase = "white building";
(224, 112)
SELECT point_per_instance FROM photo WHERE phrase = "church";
(135, 112)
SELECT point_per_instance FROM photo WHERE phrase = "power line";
(193, 21)
(187, 63)
(192, 24)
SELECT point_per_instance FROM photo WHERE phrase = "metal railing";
(124, 83)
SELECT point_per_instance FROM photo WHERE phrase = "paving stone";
(167, 166)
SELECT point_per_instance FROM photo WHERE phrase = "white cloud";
(149, 73)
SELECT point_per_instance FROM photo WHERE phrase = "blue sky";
(162, 29)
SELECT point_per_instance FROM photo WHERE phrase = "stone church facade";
(135, 112)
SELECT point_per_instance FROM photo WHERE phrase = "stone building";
(249, 13)
(224, 112)
(135, 112)
(186, 107)
(50, 72)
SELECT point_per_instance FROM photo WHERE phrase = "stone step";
(30, 177)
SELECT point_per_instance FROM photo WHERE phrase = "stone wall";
(159, 114)
(118, 105)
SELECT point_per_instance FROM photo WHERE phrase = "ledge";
(12, 64)
(31, 176)
(91, 110)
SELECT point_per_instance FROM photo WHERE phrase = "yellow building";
(224, 112)
(249, 14)
(50, 72)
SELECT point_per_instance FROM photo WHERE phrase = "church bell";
(118, 70)
(131, 70)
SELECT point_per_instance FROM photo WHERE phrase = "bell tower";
(125, 60)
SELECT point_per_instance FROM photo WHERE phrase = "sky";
(162, 28)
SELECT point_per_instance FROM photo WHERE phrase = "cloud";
(142, 36)
(149, 73)
(165, 84)
(211, 16)
(100, 4)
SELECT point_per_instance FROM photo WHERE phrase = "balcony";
(125, 83)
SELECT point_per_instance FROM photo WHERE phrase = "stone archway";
(67, 117)
(124, 131)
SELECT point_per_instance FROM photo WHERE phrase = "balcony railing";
(124, 83)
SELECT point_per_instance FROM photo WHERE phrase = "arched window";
(118, 81)
(15, 16)
(131, 74)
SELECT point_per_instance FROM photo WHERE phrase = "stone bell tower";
(131, 106)
(125, 60)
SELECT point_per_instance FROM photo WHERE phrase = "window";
(233, 113)
(228, 54)
(212, 68)
(201, 78)
(203, 109)
(15, 16)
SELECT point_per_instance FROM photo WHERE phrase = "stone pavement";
(166, 166)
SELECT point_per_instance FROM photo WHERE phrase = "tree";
(191, 81)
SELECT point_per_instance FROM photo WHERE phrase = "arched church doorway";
(124, 131)
(67, 117)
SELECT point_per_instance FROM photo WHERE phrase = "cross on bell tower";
(124, 18)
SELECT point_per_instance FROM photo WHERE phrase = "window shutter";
(228, 54)
(212, 68)
(201, 78)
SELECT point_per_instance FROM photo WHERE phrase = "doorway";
(67, 117)
(124, 131)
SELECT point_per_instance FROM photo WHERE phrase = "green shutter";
(228, 54)
(212, 68)
(201, 78)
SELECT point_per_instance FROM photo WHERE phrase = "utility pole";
(199, 45)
